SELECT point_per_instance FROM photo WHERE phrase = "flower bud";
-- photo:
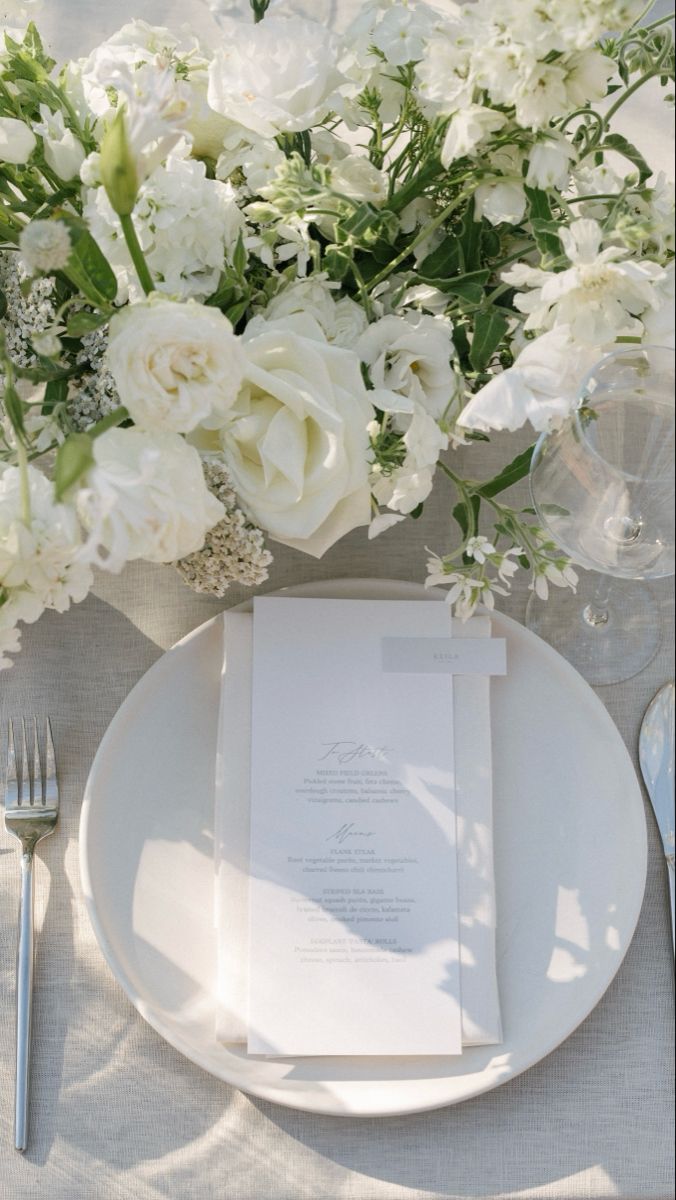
(119, 175)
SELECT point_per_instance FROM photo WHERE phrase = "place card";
(353, 893)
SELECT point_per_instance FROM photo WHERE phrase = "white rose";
(145, 497)
(467, 129)
(17, 141)
(176, 366)
(411, 355)
(278, 76)
(296, 445)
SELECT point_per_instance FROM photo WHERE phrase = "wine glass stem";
(596, 612)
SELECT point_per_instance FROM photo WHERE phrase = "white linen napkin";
(474, 803)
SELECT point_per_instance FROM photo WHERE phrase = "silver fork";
(31, 812)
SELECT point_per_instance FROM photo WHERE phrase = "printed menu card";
(353, 887)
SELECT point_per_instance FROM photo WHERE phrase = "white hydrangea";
(187, 225)
(145, 497)
(40, 556)
(45, 245)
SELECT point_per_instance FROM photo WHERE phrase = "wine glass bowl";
(602, 485)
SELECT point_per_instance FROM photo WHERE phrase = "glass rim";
(576, 412)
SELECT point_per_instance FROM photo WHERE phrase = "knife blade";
(656, 756)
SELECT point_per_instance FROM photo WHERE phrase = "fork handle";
(672, 881)
(24, 997)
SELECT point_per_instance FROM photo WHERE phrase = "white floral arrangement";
(262, 291)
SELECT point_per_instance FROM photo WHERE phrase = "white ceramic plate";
(570, 867)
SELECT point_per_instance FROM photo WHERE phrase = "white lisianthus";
(39, 557)
(467, 129)
(175, 366)
(599, 297)
(276, 77)
(186, 222)
(296, 443)
(145, 497)
(17, 141)
(549, 163)
(412, 356)
(542, 386)
(341, 321)
(64, 153)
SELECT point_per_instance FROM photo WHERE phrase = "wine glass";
(603, 487)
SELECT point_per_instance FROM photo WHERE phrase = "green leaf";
(615, 141)
(85, 322)
(444, 261)
(470, 240)
(469, 287)
(417, 512)
(337, 262)
(460, 515)
(73, 458)
(545, 229)
(14, 408)
(239, 257)
(88, 268)
(516, 470)
(489, 330)
(56, 392)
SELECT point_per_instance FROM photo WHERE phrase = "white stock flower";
(411, 356)
(599, 297)
(443, 77)
(187, 224)
(541, 387)
(467, 129)
(39, 558)
(296, 443)
(549, 163)
(64, 153)
(45, 245)
(145, 497)
(17, 141)
(279, 76)
(176, 366)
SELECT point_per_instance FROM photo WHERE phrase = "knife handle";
(670, 865)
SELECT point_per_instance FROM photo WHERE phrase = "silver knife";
(656, 755)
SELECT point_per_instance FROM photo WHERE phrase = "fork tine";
(51, 790)
(26, 787)
(38, 781)
(11, 781)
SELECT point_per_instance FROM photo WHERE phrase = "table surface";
(116, 1112)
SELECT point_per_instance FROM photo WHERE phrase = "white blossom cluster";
(234, 550)
(26, 315)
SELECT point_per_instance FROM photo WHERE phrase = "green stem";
(614, 108)
(22, 459)
(111, 419)
(420, 238)
(137, 255)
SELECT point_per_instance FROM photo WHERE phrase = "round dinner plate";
(570, 862)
